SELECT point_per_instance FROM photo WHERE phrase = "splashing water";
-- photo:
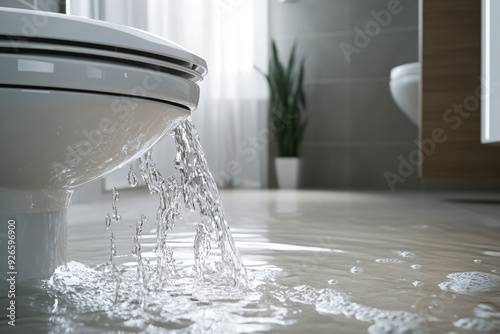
(132, 177)
(163, 291)
(141, 270)
(112, 268)
(200, 191)
(116, 217)
(168, 212)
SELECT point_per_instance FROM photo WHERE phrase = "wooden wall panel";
(450, 54)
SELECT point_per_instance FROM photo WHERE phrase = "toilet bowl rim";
(405, 70)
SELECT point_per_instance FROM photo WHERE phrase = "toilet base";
(32, 242)
(40, 245)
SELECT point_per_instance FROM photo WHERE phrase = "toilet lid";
(20, 26)
(40, 50)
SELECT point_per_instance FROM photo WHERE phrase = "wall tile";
(384, 52)
(44, 5)
(323, 57)
(368, 165)
(327, 113)
(308, 16)
(360, 13)
(375, 117)
(56, 6)
(324, 168)
(29, 4)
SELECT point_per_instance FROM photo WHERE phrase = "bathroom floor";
(317, 262)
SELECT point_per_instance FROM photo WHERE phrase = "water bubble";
(333, 281)
(417, 283)
(396, 261)
(357, 270)
(132, 177)
(404, 253)
(416, 266)
(478, 261)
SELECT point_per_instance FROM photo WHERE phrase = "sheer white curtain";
(232, 36)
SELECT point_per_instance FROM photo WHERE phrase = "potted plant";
(287, 114)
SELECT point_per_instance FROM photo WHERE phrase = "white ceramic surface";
(287, 170)
(404, 89)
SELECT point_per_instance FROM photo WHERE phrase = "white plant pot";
(287, 170)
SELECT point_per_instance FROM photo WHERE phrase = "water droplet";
(132, 177)
(115, 196)
(108, 221)
(404, 253)
(357, 270)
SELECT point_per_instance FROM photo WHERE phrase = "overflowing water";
(316, 262)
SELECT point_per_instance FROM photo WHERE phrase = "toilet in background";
(404, 85)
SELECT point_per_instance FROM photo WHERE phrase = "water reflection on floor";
(318, 262)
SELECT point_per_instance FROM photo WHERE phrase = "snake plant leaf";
(287, 101)
(291, 60)
(300, 137)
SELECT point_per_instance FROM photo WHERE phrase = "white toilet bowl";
(404, 89)
(79, 99)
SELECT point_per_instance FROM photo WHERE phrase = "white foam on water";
(418, 283)
(478, 325)
(183, 306)
(387, 260)
(416, 266)
(486, 311)
(357, 270)
(328, 301)
(470, 282)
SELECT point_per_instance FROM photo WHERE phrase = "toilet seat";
(56, 51)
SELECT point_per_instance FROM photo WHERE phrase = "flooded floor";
(317, 262)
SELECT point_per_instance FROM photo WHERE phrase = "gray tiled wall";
(355, 132)
(58, 6)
